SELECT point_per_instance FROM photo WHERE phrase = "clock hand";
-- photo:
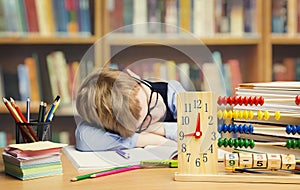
(198, 132)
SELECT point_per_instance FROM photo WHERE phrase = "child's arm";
(146, 138)
(166, 129)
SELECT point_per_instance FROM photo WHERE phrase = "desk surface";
(136, 179)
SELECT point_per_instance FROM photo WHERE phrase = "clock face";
(197, 132)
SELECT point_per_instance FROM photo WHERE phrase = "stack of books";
(279, 100)
(33, 160)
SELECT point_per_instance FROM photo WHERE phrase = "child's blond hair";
(107, 98)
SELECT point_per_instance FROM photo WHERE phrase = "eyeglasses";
(146, 123)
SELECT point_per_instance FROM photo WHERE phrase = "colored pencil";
(116, 171)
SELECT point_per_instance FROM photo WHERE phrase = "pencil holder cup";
(33, 131)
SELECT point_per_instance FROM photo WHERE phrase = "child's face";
(156, 108)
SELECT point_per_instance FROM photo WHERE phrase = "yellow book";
(185, 15)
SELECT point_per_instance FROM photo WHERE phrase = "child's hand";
(132, 74)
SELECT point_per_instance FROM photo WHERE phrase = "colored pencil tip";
(73, 179)
(57, 98)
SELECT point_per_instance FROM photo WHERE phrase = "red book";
(31, 16)
(236, 77)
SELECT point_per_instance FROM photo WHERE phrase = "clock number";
(188, 107)
(211, 120)
(206, 107)
(181, 135)
(211, 148)
(197, 162)
(185, 120)
(214, 136)
(197, 104)
(205, 157)
(188, 156)
(183, 147)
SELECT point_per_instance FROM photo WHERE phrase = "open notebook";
(109, 159)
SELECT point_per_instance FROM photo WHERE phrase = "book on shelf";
(108, 159)
(34, 79)
(24, 83)
(31, 16)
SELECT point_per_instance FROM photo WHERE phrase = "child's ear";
(132, 74)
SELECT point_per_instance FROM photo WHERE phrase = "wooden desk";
(136, 179)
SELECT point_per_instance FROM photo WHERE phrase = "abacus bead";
(297, 100)
(236, 143)
(225, 142)
(220, 101)
(246, 143)
(251, 114)
(230, 128)
(277, 115)
(235, 128)
(266, 115)
(225, 128)
(242, 143)
(298, 129)
(225, 114)
(235, 114)
(220, 128)
(261, 100)
(241, 114)
(240, 100)
(220, 142)
(229, 100)
(293, 143)
(220, 114)
(251, 143)
(246, 114)
(240, 128)
(288, 129)
(255, 100)
(224, 100)
(246, 128)
(250, 100)
(298, 143)
(235, 100)
(229, 114)
(230, 142)
(259, 114)
(294, 129)
(245, 100)
(251, 129)
(288, 143)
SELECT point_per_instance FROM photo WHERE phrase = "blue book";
(84, 18)
(61, 16)
(128, 15)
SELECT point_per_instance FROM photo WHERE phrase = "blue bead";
(235, 128)
(225, 128)
(220, 128)
(230, 128)
(246, 129)
(298, 129)
(288, 129)
(251, 129)
(294, 129)
(241, 130)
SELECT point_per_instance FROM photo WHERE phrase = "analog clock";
(197, 133)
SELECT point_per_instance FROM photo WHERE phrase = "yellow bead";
(251, 114)
(220, 114)
(240, 115)
(259, 115)
(229, 114)
(266, 115)
(245, 114)
(277, 115)
(235, 114)
(225, 114)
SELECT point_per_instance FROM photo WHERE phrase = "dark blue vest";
(162, 89)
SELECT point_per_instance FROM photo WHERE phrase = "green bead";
(220, 142)
(298, 143)
(293, 143)
(251, 143)
(242, 142)
(288, 143)
(230, 142)
(225, 143)
(236, 143)
(246, 143)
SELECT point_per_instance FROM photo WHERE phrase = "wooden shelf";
(48, 40)
(285, 40)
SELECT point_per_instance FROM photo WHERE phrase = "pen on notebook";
(86, 176)
(122, 153)
(116, 171)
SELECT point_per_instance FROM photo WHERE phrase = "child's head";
(107, 98)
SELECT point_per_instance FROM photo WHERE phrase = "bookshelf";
(256, 51)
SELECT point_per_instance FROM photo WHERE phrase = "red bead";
(235, 100)
(224, 100)
(250, 101)
(240, 100)
(297, 100)
(229, 100)
(219, 100)
(255, 100)
(245, 100)
(261, 100)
